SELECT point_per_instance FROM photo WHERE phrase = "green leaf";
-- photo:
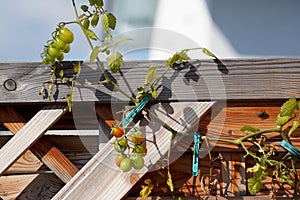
(141, 92)
(92, 2)
(255, 168)
(209, 53)
(86, 23)
(104, 20)
(249, 129)
(146, 190)
(115, 60)
(254, 185)
(151, 74)
(61, 73)
(84, 8)
(112, 21)
(294, 127)
(170, 182)
(94, 53)
(99, 3)
(77, 68)
(153, 92)
(282, 120)
(95, 20)
(69, 100)
(289, 107)
(91, 34)
(178, 56)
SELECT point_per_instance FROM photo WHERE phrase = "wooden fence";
(57, 154)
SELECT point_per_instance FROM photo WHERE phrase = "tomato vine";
(88, 19)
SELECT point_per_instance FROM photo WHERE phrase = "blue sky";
(27, 25)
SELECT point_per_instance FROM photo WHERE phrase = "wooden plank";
(29, 186)
(100, 179)
(233, 171)
(29, 134)
(44, 150)
(260, 78)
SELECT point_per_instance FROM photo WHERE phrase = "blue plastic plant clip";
(290, 148)
(129, 117)
(196, 153)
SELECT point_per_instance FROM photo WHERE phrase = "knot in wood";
(10, 85)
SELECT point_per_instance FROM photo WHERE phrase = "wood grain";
(99, 179)
(260, 78)
(29, 134)
(43, 149)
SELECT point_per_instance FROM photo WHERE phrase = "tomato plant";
(126, 165)
(137, 136)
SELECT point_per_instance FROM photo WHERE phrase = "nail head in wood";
(10, 85)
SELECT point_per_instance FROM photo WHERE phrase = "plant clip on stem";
(135, 111)
(196, 153)
(290, 148)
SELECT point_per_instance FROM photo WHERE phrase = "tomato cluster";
(59, 44)
(136, 149)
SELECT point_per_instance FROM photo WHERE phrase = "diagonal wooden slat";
(29, 134)
(100, 179)
(44, 150)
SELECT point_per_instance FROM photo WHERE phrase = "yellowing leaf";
(288, 107)
(170, 182)
(249, 129)
(254, 185)
(91, 34)
(77, 68)
(209, 53)
(94, 53)
(115, 60)
(105, 23)
(282, 120)
(151, 74)
(146, 190)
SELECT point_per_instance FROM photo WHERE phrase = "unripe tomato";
(137, 161)
(140, 149)
(53, 51)
(120, 145)
(49, 59)
(137, 137)
(60, 57)
(119, 159)
(117, 131)
(59, 44)
(65, 35)
(126, 165)
(67, 49)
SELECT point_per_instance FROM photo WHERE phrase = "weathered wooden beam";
(44, 150)
(274, 78)
(99, 179)
(29, 134)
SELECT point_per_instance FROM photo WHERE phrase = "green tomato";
(53, 51)
(137, 137)
(140, 149)
(59, 44)
(67, 49)
(120, 145)
(65, 35)
(60, 57)
(137, 161)
(119, 159)
(126, 165)
(48, 59)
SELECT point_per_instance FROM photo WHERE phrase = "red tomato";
(117, 131)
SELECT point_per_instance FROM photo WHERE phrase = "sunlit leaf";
(209, 53)
(115, 60)
(94, 53)
(170, 182)
(105, 23)
(294, 127)
(255, 168)
(282, 120)
(77, 68)
(86, 23)
(249, 129)
(151, 74)
(91, 34)
(153, 92)
(146, 190)
(69, 100)
(61, 73)
(254, 185)
(288, 107)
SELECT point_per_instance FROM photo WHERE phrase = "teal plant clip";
(290, 148)
(129, 117)
(196, 153)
